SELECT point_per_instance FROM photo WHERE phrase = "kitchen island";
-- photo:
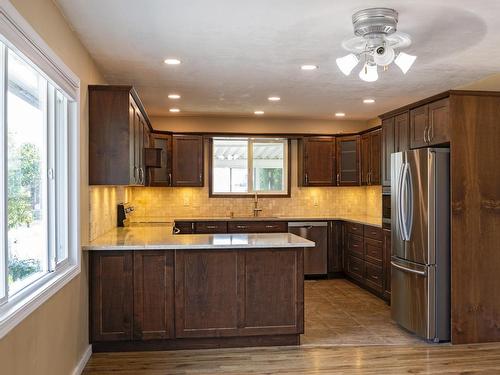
(150, 290)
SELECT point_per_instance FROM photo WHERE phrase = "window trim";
(18, 35)
(287, 194)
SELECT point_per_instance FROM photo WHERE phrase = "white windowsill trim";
(14, 314)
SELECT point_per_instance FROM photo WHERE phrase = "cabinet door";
(335, 247)
(153, 295)
(187, 160)
(348, 161)
(162, 176)
(111, 295)
(318, 161)
(365, 158)
(387, 264)
(388, 147)
(375, 157)
(439, 122)
(401, 133)
(132, 145)
(419, 122)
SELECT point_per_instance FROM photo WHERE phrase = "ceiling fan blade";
(355, 45)
(398, 40)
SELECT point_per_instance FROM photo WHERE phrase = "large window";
(249, 165)
(38, 176)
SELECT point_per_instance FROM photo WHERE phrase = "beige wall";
(262, 125)
(53, 338)
(165, 204)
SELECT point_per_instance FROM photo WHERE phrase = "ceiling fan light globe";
(385, 58)
(405, 61)
(368, 73)
(347, 63)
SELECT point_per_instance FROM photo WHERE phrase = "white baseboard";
(83, 361)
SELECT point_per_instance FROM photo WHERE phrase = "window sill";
(249, 195)
(15, 311)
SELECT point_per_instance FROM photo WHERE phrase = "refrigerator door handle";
(399, 208)
(403, 202)
(410, 270)
(409, 202)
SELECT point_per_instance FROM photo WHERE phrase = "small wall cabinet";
(187, 160)
(317, 161)
(371, 155)
(430, 124)
(348, 161)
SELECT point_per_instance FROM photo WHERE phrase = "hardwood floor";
(347, 331)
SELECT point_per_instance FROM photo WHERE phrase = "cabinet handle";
(211, 226)
(241, 226)
(426, 136)
(141, 176)
(192, 227)
(431, 132)
(170, 179)
(374, 277)
(307, 179)
(201, 177)
(270, 226)
(338, 179)
(177, 230)
(135, 174)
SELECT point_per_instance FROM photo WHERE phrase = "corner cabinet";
(118, 134)
(187, 160)
(317, 161)
(160, 169)
(371, 158)
(348, 161)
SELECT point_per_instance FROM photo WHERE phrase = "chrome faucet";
(256, 208)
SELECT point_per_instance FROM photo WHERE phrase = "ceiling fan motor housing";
(375, 23)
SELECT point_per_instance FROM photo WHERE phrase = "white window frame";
(251, 192)
(18, 35)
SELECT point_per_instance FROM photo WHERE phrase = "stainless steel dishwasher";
(315, 259)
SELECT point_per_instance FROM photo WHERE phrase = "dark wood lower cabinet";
(170, 299)
(387, 265)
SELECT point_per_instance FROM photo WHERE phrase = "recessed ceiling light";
(174, 110)
(368, 101)
(174, 96)
(340, 114)
(274, 98)
(309, 67)
(259, 112)
(170, 61)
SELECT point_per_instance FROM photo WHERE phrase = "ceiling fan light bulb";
(405, 61)
(369, 73)
(347, 63)
(383, 55)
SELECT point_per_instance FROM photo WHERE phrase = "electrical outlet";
(187, 201)
(315, 201)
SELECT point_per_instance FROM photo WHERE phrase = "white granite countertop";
(159, 237)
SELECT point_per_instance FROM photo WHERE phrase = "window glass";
(26, 183)
(268, 166)
(230, 166)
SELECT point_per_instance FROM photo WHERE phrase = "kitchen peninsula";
(152, 290)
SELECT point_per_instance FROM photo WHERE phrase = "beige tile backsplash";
(163, 204)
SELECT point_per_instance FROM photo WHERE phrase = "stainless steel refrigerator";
(420, 224)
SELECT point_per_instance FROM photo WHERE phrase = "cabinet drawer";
(373, 233)
(355, 245)
(257, 227)
(211, 227)
(373, 276)
(354, 228)
(373, 251)
(183, 227)
(355, 267)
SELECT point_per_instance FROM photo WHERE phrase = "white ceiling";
(236, 53)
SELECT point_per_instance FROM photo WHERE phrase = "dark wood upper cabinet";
(153, 295)
(402, 132)
(388, 147)
(371, 158)
(430, 124)
(161, 175)
(187, 160)
(317, 161)
(111, 295)
(118, 131)
(348, 161)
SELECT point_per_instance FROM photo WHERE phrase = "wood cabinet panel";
(257, 227)
(402, 132)
(355, 245)
(317, 161)
(184, 227)
(335, 247)
(373, 251)
(273, 292)
(373, 276)
(348, 153)
(111, 295)
(387, 264)
(187, 160)
(371, 158)
(202, 307)
(210, 227)
(372, 232)
(439, 122)
(355, 268)
(162, 176)
(388, 147)
(153, 295)
(419, 122)
(354, 228)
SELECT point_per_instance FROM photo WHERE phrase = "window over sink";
(246, 166)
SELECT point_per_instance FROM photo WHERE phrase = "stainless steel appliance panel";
(315, 259)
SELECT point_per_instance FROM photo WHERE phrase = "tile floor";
(338, 312)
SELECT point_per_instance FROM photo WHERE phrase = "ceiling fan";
(375, 43)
